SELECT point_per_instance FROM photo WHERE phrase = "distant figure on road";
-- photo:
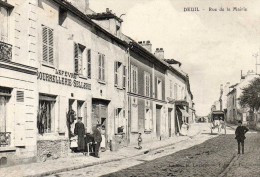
(139, 140)
(97, 139)
(240, 136)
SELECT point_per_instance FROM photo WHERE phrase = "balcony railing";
(5, 139)
(5, 51)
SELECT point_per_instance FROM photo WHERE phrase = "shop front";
(62, 98)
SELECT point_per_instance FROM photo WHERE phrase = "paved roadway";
(203, 155)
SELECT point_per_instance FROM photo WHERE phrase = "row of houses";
(60, 60)
(229, 102)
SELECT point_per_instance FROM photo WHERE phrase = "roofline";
(5, 4)
(67, 6)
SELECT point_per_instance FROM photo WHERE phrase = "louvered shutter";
(116, 120)
(99, 66)
(20, 114)
(124, 76)
(116, 73)
(89, 64)
(51, 54)
(45, 44)
(76, 59)
(103, 67)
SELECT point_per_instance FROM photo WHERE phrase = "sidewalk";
(70, 163)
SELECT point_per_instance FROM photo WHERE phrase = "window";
(78, 58)
(120, 122)
(47, 42)
(3, 24)
(120, 75)
(80, 112)
(101, 67)
(147, 84)
(134, 79)
(45, 119)
(89, 63)
(159, 89)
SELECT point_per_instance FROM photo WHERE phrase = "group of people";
(83, 141)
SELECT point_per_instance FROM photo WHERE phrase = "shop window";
(47, 45)
(46, 114)
(134, 79)
(119, 121)
(101, 67)
(78, 58)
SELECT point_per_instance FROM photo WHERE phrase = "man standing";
(80, 132)
(97, 139)
(240, 135)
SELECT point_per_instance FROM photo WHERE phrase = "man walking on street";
(240, 135)
(97, 139)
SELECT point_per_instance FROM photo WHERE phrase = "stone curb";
(105, 161)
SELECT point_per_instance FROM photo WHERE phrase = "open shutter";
(19, 132)
(85, 117)
(89, 63)
(103, 67)
(116, 73)
(50, 38)
(62, 114)
(124, 76)
(45, 44)
(76, 55)
(116, 120)
(99, 66)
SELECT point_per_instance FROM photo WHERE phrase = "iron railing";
(5, 139)
(5, 51)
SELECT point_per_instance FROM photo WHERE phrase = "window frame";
(134, 79)
(147, 84)
(101, 67)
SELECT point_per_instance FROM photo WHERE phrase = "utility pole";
(256, 56)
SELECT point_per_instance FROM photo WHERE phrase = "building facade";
(71, 62)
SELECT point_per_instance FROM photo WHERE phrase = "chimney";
(146, 44)
(82, 5)
(159, 53)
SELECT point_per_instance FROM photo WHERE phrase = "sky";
(213, 46)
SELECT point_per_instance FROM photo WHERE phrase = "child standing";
(240, 136)
(139, 141)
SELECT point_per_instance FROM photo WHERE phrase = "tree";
(250, 97)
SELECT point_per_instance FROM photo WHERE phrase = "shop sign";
(63, 78)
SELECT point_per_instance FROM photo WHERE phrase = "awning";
(184, 112)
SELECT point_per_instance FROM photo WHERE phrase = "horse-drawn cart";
(217, 121)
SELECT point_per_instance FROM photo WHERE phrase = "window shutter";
(99, 66)
(103, 67)
(116, 73)
(62, 114)
(50, 38)
(124, 76)
(45, 42)
(89, 64)
(76, 55)
(146, 119)
(116, 120)
(20, 114)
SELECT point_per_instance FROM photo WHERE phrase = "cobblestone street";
(211, 158)
(215, 157)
